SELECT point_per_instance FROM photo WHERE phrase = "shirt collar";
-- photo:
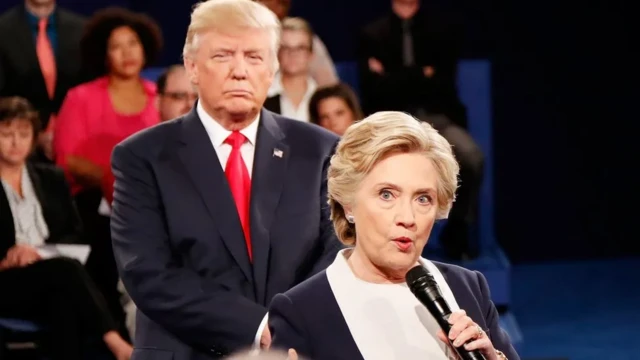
(277, 88)
(218, 134)
(33, 20)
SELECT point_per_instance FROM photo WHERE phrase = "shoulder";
(149, 87)
(307, 135)
(464, 280)
(88, 89)
(375, 27)
(71, 18)
(10, 16)
(311, 291)
(148, 142)
(48, 172)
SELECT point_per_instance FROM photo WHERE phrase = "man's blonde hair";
(229, 14)
(371, 140)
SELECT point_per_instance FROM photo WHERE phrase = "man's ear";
(192, 69)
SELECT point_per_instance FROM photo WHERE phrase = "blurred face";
(178, 96)
(125, 54)
(394, 210)
(16, 141)
(335, 115)
(295, 53)
(233, 71)
(40, 2)
(279, 7)
(405, 9)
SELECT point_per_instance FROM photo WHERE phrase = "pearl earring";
(350, 219)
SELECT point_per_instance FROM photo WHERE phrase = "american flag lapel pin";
(277, 153)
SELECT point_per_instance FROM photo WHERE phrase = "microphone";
(426, 290)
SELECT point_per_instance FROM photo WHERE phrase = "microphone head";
(419, 277)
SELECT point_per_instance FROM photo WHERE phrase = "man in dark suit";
(408, 62)
(198, 257)
(40, 58)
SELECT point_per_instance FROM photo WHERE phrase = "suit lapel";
(66, 45)
(269, 173)
(7, 228)
(201, 162)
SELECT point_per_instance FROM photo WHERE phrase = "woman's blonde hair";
(369, 141)
(229, 14)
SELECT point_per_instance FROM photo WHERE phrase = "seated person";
(36, 208)
(407, 61)
(335, 108)
(323, 70)
(389, 180)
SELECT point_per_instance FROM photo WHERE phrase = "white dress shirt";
(217, 135)
(386, 321)
(28, 221)
(301, 112)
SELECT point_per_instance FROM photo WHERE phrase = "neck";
(367, 271)
(231, 121)
(40, 10)
(11, 173)
(124, 83)
(295, 83)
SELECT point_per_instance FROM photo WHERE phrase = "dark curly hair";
(99, 28)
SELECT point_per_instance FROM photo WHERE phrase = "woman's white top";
(386, 321)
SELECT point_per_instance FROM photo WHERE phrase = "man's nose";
(239, 67)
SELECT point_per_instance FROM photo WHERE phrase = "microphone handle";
(462, 352)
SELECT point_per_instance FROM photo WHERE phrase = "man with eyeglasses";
(293, 85)
(176, 95)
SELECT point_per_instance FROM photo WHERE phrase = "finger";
(483, 344)
(456, 315)
(292, 355)
(459, 326)
(470, 333)
(441, 335)
(13, 256)
(23, 259)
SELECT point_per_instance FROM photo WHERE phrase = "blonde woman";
(389, 181)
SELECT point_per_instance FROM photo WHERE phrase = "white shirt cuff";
(256, 342)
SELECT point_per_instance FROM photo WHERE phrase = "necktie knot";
(236, 139)
(42, 24)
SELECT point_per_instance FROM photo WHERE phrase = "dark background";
(565, 126)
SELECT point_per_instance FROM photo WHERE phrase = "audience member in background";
(323, 71)
(408, 62)
(176, 93)
(389, 180)
(335, 108)
(36, 208)
(40, 60)
(97, 115)
(197, 260)
(293, 85)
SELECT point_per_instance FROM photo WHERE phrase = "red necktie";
(47, 61)
(240, 183)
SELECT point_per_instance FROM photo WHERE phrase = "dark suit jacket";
(308, 319)
(58, 209)
(179, 244)
(20, 73)
(436, 43)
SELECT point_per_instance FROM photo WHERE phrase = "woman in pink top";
(97, 115)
